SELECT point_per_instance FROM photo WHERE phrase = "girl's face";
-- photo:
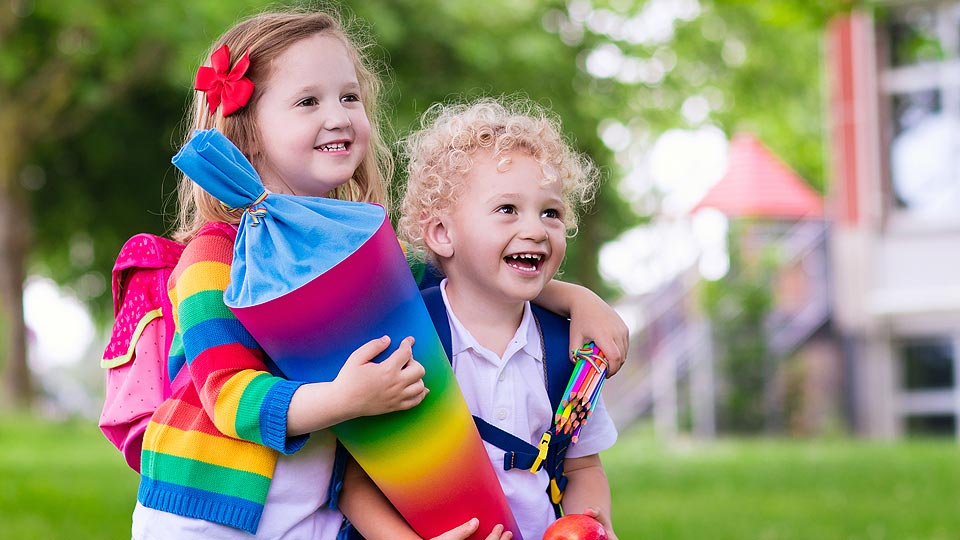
(312, 125)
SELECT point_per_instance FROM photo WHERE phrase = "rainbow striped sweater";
(210, 450)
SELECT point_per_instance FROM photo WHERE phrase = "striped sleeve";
(226, 365)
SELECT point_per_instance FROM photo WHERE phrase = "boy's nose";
(534, 229)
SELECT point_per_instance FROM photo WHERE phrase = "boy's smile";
(525, 262)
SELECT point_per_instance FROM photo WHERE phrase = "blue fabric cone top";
(290, 240)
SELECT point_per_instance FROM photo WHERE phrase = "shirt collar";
(526, 338)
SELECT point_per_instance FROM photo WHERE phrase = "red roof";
(758, 184)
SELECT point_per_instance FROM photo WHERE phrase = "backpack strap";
(433, 299)
(518, 453)
(142, 267)
(556, 335)
(555, 331)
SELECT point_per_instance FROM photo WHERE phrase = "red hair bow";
(225, 85)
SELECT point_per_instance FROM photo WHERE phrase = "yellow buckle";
(555, 494)
(544, 444)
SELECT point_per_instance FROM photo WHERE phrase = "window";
(921, 89)
(927, 364)
(932, 425)
(913, 37)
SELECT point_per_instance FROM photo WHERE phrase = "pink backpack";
(136, 357)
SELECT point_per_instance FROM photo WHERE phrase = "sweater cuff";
(273, 418)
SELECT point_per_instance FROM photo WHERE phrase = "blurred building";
(894, 146)
(864, 323)
(681, 370)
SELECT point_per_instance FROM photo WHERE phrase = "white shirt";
(295, 508)
(509, 393)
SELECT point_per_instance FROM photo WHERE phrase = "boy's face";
(506, 234)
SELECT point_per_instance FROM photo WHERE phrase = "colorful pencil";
(582, 391)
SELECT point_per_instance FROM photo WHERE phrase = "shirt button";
(501, 414)
(502, 377)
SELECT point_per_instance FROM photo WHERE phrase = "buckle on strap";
(555, 494)
(542, 455)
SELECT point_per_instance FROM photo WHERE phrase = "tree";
(439, 51)
(61, 64)
(91, 95)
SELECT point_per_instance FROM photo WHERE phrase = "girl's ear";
(438, 237)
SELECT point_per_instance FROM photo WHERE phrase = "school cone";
(312, 280)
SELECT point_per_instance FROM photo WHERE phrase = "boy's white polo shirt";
(509, 393)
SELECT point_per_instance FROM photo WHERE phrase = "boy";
(491, 195)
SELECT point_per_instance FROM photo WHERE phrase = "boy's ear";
(438, 237)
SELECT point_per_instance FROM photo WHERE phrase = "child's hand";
(603, 519)
(395, 384)
(592, 319)
(464, 531)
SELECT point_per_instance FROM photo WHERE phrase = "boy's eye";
(551, 213)
(307, 102)
(506, 209)
(351, 98)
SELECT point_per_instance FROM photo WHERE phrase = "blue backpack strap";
(430, 277)
(556, 335)
(518, 453)
(347, 530)
(336, 479)
(433, 298)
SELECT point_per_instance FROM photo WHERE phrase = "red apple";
(575, 527)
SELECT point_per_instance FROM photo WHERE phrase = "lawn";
(786, 490)
(63, 480)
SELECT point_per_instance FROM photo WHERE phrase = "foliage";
(92, 94)
(90, 191)
(438, 50)
(103, 172)
(434, 51)
(61, 65)
(737, 305)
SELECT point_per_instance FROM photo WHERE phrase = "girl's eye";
(506, 209)
(551, 213)
(351, 97)
(307, 102)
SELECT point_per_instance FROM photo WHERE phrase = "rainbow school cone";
(312, 280)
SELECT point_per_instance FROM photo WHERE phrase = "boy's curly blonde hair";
(441, 153)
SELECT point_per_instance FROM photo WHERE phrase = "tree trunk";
(18, 390)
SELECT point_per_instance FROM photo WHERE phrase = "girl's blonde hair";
(267, 36)
(441, 152)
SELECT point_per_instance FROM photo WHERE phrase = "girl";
(228, 453)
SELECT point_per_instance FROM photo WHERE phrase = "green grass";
(63, 480)
(785, 490)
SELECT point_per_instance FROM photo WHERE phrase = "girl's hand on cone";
(374, 388)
